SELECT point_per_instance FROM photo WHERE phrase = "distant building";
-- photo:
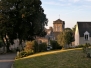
(53, 32)
(83, 33)
(58, 26)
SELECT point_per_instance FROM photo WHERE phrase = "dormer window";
(86, 35)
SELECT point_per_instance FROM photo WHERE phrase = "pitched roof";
(58, 21)
(83, 27)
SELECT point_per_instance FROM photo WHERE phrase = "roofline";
(83, 21)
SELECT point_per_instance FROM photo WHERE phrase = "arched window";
(86, 35)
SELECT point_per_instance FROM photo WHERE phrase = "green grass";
(71, 58)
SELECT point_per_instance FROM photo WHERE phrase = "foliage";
(28, 50)
(79, 46)
(89, 54)
(69, 58)
(55, 45)
(74, 28)
(87, 50)
(23, 54)
(86, 47)
(1, 44)
(36, 47)
(66, 37)
(22, 19)
(29, 46)
(42, 47)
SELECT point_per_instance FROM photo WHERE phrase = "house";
(83, 33)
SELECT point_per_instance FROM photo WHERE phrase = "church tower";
(58, 25)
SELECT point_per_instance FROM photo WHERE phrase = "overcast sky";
(70, 11)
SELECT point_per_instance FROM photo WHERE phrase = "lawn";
(71, 58)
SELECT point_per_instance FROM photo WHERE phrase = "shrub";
(24, 54)
(79, 46)
(86, 47)
(89, 54)
(55, 45)
(59, 47)
(42, 47)
(29, 45)
(35, 46)
(28, 50)
(21, 54)
(87, 50)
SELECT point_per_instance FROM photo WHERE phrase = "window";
(86, 35)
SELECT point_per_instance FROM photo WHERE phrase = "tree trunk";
(4, 45)
(4, 49)
(7, 45)
(8, 50)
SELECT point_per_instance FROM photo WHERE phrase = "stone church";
(52, 32)
(58, 26)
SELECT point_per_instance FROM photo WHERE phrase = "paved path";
(6, 60)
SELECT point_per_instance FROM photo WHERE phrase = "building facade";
(58, 26)
(82, 33)
(53, 32)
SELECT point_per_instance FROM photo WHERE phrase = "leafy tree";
(73, 29)
(22, 19)
(65, 37)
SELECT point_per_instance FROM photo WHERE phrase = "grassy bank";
(71, 58)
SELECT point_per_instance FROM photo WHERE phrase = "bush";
(29, 46)
(28, 50)
(42, 47)
(35, 46)
(86, 47)
(59, 47)
(24, 54)
(55, 45)
(79, 46)
(21, 54)
(87, 50)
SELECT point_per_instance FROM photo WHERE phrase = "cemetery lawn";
(71, 58)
